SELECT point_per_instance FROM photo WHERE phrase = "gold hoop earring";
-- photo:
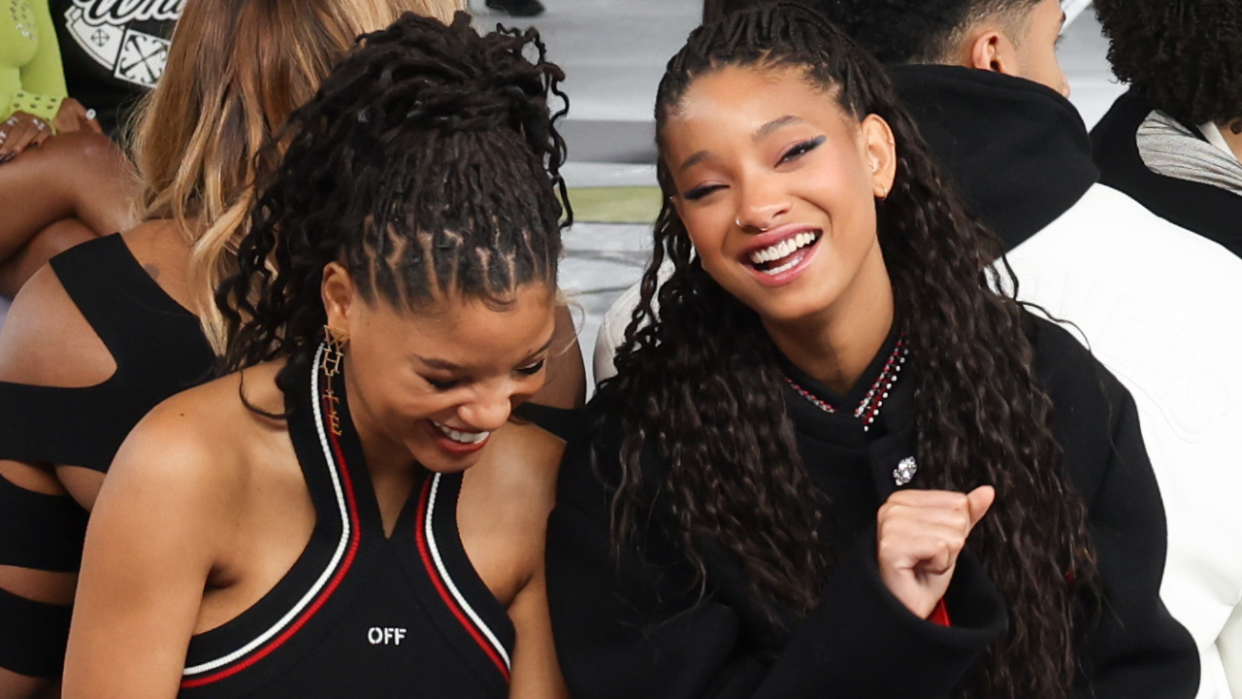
(334, 342)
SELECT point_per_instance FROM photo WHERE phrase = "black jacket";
(1209, 211)
(1017, 151)
(638, 629)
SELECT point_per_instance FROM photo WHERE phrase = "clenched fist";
(919, 535)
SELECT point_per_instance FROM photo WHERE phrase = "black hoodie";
(1017, 151)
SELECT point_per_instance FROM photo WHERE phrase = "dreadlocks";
(699, 383)
(427, 165)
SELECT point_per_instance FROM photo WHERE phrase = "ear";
(339, 293)
(993, 51)
(880, 153)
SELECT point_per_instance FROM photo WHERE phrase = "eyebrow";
(446, 365)
(773, 126)
(761, 133)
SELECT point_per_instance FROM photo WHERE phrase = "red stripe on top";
(420, 536)
(323, 596)
(940, 615)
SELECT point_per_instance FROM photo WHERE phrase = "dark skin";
(45, 341)
(57, 191)
(223, 524)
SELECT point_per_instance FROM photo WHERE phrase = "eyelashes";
(533, 368)
(449, 384)
(802, 149)
(796, 151)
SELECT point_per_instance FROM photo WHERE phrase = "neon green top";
(32, 79)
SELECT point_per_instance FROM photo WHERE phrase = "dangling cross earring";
(334, 342)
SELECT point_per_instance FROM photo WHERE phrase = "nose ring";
(761, 230)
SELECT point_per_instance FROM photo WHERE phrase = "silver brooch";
(904, 473)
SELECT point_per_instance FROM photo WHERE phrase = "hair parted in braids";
(699, 385)
(428, 165)
(1183, 56)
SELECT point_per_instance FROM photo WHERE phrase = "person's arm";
(1138, 650)
(43, 78)
(150, 546)
(536, 674)
(637, 627)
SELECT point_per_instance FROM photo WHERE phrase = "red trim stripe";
(434, 574)
(355, 538)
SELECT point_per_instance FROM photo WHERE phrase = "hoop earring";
(334, 342)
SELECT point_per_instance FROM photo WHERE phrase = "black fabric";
(159, 350)
(1017, 151)
(1209, 211)
(560, 422)
(44, 532)
(380, 583)
(638, 627)
(32, 636)
(113, 52)
(158, 346)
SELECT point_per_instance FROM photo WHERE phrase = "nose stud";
(761, 230)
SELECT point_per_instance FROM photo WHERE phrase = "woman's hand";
(74, 117)
(19, 132)
(919, 536)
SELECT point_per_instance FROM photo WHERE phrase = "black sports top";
(361, 614)
(158, 346)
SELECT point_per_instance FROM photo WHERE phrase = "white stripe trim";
(336, 557)
(448, 580)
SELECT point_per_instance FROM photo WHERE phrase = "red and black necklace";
(869, 408)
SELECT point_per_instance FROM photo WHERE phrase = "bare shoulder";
(46, 341)
(202, 440)
(520, 467)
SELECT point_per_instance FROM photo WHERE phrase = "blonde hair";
(236, 70)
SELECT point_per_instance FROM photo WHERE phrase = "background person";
(59, 191)
(1174, 140)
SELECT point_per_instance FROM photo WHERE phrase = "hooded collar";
(1018, 152)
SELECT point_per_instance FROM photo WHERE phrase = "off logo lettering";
(380, 636)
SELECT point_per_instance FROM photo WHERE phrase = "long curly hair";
(920, 31)
(428, 164)
(1182, 56)
(699, 385)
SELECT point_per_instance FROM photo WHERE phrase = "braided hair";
(920, 31)
(699, 385)
(1182, 56)
(427, 165)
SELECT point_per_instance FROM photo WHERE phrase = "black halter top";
(361, 614)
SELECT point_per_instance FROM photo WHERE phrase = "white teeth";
(785, 248)
(461, 437)
(787, 266)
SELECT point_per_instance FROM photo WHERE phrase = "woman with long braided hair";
(838, 459)
(351, 513)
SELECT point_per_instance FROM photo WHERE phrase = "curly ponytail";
(427, 164)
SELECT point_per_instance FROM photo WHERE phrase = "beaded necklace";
(869, 408)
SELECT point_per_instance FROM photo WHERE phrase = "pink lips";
(773, 237)
(452, 447)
